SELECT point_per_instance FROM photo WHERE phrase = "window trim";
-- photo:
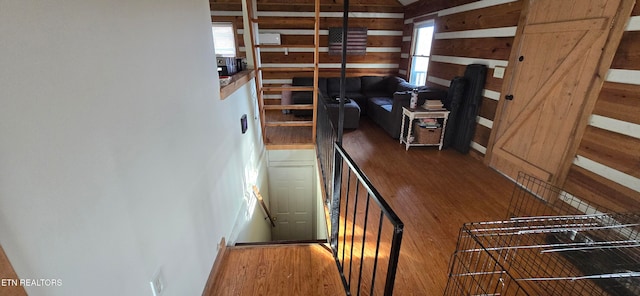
(235, 37)
(414, 38)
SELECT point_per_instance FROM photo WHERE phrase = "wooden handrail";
(256, 192)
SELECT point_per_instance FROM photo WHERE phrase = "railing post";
(335, 199)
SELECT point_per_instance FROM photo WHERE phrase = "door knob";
(509, 97)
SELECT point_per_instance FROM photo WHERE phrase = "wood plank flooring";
(7, 288)
(287, 137)
(306, 269)
(434, 193)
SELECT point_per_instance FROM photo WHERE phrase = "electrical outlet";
(157, 283)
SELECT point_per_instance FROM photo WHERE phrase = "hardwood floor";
(8, 287)
(287, 137)
(307, 269)
(434, 193)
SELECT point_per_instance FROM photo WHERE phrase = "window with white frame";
(421, 52)
(224, 39)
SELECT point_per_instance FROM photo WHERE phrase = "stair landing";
(298, 269)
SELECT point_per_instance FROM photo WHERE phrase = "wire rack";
(553, 243)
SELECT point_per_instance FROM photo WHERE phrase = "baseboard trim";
(222, 252)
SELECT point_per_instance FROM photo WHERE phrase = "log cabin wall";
(230, 11)
(607, 163)
(606, 169)
(467, 32)
(382, 18)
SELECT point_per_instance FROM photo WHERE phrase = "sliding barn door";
(555, 72)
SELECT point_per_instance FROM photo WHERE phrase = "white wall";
(117, 156)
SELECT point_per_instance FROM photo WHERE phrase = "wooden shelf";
(237, 80)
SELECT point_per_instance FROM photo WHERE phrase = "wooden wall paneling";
(596, 189)
(612, 150)
(488, 109)
(355, 72)
(283, 22)
(303, 57)
(609, 52)
(372, 41)
(448, 71)
(331, 72)
(481, 48)
(225, 6)
(628, 54)
(324, 3)
(481, 135)
(394, 24)
(619, 101)
(496, 48)
(504, 15)
(492, 83)
(445, 70)
(405, 62)
(329, 8)
(237, 20)
(429, 6)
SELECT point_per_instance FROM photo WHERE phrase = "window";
(420, 52)
(224, 39)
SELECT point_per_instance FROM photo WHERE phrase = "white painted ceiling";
(407, 2)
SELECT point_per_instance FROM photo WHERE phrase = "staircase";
(280, 130)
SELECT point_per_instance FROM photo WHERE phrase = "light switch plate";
(498, 72)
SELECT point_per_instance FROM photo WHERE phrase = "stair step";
(291, 88)
(289, 107)
(287, 69)
(289, 123)
(283, 242)
(272, 101)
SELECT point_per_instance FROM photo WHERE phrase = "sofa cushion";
(405, 86)
(377, 93)
(392, 83)
(302, 97)
(373, 84)
(302, 81)
(380, 101)
(352, 85)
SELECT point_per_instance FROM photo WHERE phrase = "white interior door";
(291, 194)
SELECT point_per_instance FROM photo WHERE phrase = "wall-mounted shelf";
(237, 80)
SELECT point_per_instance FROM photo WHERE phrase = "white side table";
(420, 113)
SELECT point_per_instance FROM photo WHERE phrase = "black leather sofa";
(381, 98)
